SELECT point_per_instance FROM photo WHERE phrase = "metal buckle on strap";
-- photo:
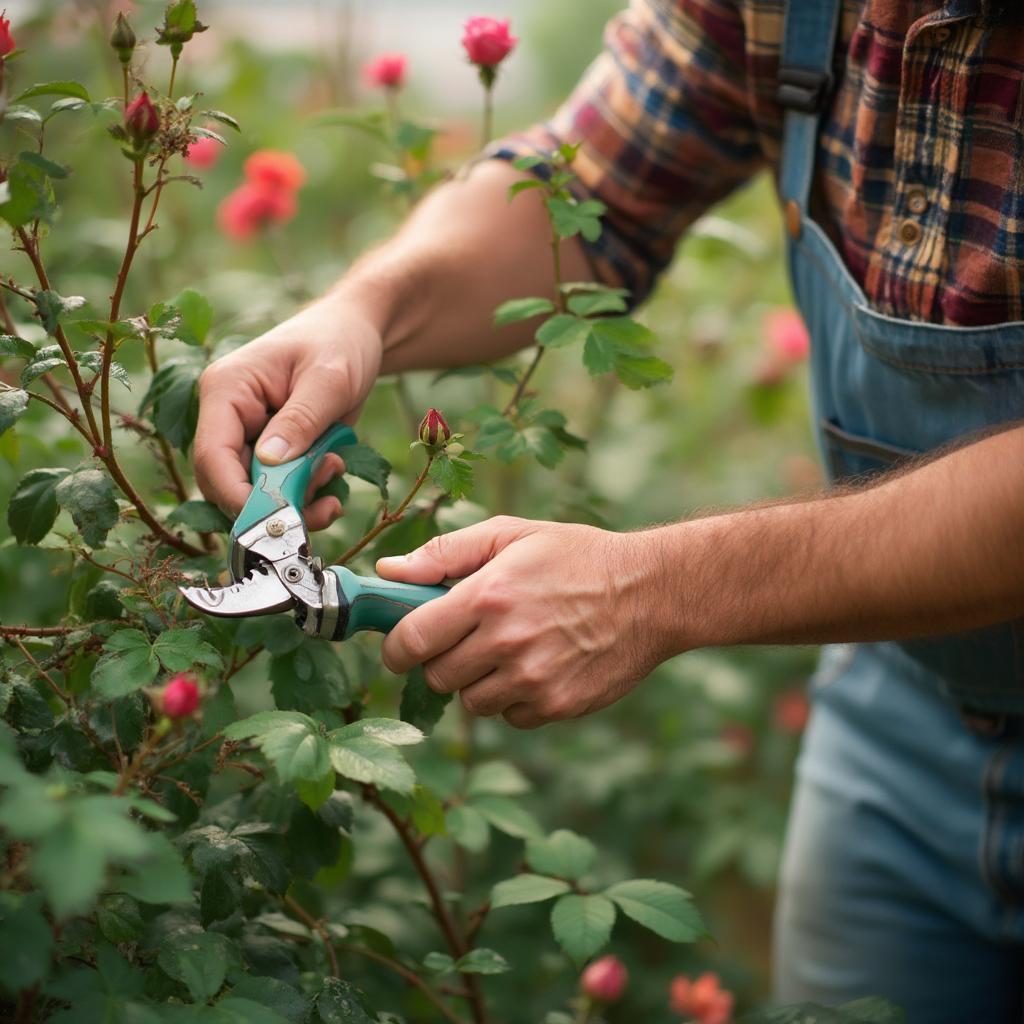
(803, 90)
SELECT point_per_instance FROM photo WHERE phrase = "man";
(895, 131)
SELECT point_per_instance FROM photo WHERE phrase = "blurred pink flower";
(738, 738)
(703, 1000)
(274, 169)
(253, 207)
(785, 335)
(204, 152)
(605, 979)
(791, 711)
(488, 41)
(180, 697)
(387, 70)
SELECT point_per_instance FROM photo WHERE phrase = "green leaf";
(526, 163)
(421, 706)
(309, 677)
(387, 730)
(562, 330)
(27, 941)
(364, 759)
(871, 1010)
(453, 475)
(127, 665)
(181, 649)
(415, 139)
(314, 793)
(19, 112)
(53, 307)
(12, 404)
(160, 876)
(32, 508)
(340, 1002)
(362, 461)
(196, 316)
(275, 995)
(88, 494)
(562, 853)
(427, 812)
(290, 740)
(48, 167)
(201, 516)
(439, 963)
(67, 88)
(12, 345)
(180, 24)
(468, 827)
(482, 961)
(500, 777)
(524, 186)
(642, 371)
(219, 115)
(199, 960)
(521, 309)
(174, 401)
(26, 195)
(526, 889)
(507, 816)
(48, 358)
(665, 909)
(94, 361)
(119, 919)
(570, 218)
(582, 924)
(598, 303)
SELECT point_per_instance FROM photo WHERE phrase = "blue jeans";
(903, 874)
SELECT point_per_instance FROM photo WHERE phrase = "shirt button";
(910, 232)
(793, 219)
(917, 200)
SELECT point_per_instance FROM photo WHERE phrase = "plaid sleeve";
(665, 127)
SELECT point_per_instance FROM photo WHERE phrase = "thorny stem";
(13, 631)
(315, 926)
(404, 972)
(129, 773)
(387, 518)
(72, 419)
(43, 674)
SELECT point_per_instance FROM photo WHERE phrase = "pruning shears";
(274, 570)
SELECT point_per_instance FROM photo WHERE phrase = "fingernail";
(272, 448)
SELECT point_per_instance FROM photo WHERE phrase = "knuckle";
(495, 596)
(556, 706)
(519, 721)
(473, 704)
(415, 641)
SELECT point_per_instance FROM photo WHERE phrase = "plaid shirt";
(920, 171)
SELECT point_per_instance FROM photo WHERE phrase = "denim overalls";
(903, 873)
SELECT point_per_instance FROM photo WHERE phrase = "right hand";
(281, 391)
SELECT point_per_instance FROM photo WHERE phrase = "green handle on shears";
(379, 604)
(276, 487)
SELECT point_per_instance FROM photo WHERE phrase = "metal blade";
(260, 593)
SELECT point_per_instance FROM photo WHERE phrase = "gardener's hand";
(548, 624)
(284, 389)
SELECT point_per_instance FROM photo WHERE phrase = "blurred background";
(687, 779)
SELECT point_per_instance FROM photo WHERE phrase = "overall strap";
(805, 86)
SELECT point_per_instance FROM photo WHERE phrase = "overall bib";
(903, 874)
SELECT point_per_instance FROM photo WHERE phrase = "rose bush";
(215, 820)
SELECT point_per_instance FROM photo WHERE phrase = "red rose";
(252, 207)
(433, 429)
(275, 169)
(605, 979)
(180, 697)
(141, 118)
(6, 39)
(204, 152)
(703, 1000)
(487, 41)
(386, 70)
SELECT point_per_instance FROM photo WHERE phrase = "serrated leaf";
(88, 494)
(507, 816)
(365, 759)
(11, 345)
(387, 730)
(523, 186)
(314, 793)
(482, 961)
(196, 315)
(12, 404)
(119, 919)
(598, 303)
(48, 358)
(582, 924)
(290, 740)
(127, 665)
(199, 960)
(439, 963)
(526, 163)
(32, 508)
(27, 940)
(27, 195)
(526, 888)
(563, 853)
(521, 309)
(570, 218)
(52, 307)
(468, 827)
(19, 112)
(173, 399)
(340, 1002)
(453, 475)
(562, 330)
(420, 705)
(48, 167)
(181, 649)
(66, 88)
(665, 909)
(369, 465)
(201, 516)
(500, 777)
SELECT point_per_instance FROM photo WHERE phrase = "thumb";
(311, 408)
(454, 555)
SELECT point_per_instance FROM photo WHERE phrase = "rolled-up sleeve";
(665, 129)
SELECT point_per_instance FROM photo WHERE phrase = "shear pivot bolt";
(275, 528)
(293, 574)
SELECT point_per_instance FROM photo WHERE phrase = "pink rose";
(180, 697)
(488, 41)
(204, 152)
(387, 70)
(605, 979)
(253, 207)
(274, 169)
(703, 1000)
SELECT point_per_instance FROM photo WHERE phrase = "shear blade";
(259, 593)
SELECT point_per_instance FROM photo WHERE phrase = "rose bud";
(434, 430)
(6, 39)
(122, 39)
(487, 41)
(141, 119)
(605, 979)
(386, 71)
(180, 697)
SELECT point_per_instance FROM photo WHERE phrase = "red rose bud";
(605, 979)
(487, 41)
(386, 71)
(122, 39)
(141, 119)
(180, 697)
(6, 39)
(434, 430)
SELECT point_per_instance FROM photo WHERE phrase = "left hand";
(547, 624)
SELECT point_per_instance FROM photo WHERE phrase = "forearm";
(431, 290)
(933, 550)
